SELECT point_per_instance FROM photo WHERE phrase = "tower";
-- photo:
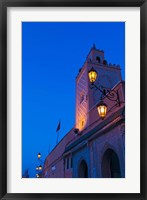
(108, 76)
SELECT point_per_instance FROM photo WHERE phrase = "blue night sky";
(52, 54)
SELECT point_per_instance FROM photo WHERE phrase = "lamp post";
(39, 168)
(112, 95)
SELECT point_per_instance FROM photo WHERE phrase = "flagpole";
(57, 137)
(57, 130)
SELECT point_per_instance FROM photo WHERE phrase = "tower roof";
(95, 53)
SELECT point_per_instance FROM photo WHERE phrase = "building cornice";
(100, 129)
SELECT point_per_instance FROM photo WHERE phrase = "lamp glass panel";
(102, 111)
(39, 155)
(92, 76)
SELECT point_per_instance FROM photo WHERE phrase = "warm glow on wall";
(82, 123)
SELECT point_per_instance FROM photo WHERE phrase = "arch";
(98, 59)
(105, 62)
(110, 165)
(83, 169)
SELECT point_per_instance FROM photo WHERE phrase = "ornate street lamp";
(112, 95)
(92, 75)
(102, 109)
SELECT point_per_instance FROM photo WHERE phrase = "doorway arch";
(83, 169)
(110, 165)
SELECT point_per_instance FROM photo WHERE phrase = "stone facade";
(97, 149)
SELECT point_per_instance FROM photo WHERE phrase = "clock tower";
(108, 76)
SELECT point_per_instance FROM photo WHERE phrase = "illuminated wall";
(108, 76)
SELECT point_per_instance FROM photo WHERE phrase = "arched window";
(82, 95)
(83, 169)
(110, 165)
(98, 59)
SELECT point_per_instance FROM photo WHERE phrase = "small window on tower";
(98, 59)
(82, 97)
(82, 123)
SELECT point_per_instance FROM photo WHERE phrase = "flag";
(58, 127)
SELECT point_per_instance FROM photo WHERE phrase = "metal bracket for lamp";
(110, 94)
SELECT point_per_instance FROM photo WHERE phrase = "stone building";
(94, 147)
